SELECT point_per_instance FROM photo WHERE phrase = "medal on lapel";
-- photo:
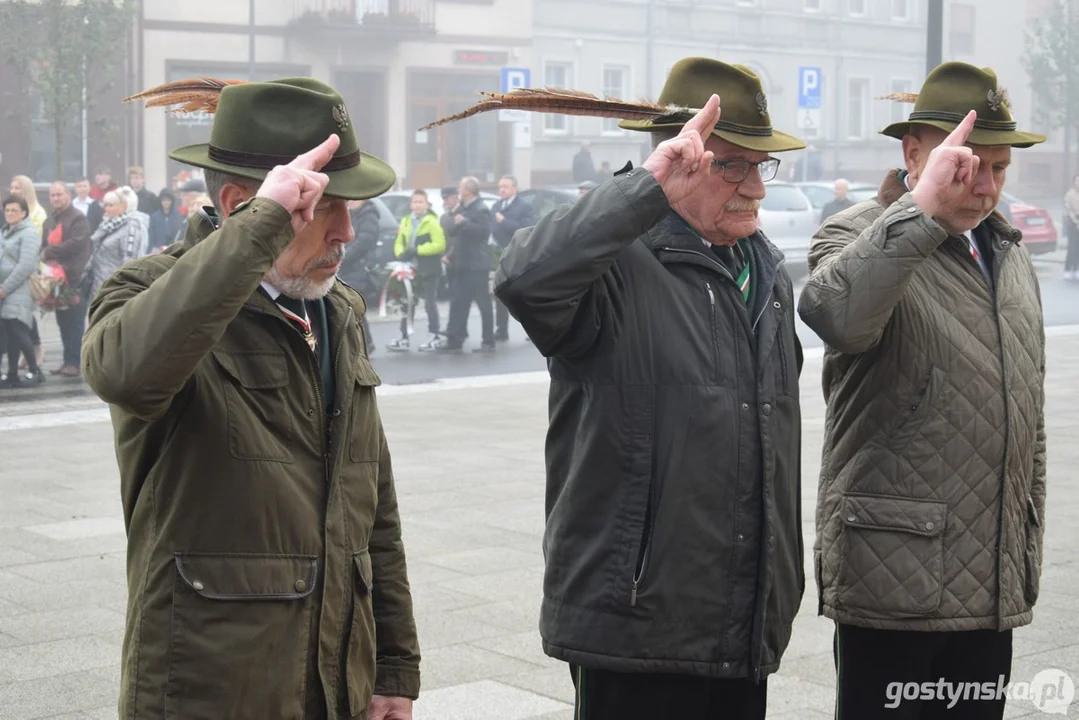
(303, 322)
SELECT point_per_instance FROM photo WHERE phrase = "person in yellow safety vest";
(422, 242)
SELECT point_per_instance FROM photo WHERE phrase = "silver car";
(789, 220)
(822, 193)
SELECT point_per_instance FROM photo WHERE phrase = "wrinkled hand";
(499, 217)
(298, 186)
(458, 219)
(950, 170)
(681, 164)
(389, 708)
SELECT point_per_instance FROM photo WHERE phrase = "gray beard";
(301, 288)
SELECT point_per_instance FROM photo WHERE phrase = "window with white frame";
(900, 110)
(858, 108)
(615, 84)
(813, 5)
(857, 7)
(901, 9)
(557, 74)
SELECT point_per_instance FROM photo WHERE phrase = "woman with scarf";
(19, 248)
(122, 236)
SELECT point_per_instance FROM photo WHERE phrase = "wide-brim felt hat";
(950, 92)
(744, 120)
(260, 125)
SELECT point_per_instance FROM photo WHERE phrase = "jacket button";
(726, 666)
(851, 518)
(745, 406)
(1006, 243)
(930, 525)
(310, 412)
(912, 209)
(776, 305)
(197, 585)
(300, 586)
(740, 537)
(337, 413)
(766, 409)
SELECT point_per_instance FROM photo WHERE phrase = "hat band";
(943, 116)
(262, 161)
(739, 129)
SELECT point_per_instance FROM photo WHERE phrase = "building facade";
(399, 64)
(863, 48)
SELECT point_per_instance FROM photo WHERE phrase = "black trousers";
(873, 668)
(34, 336)
(17, 336)
(606, 695)
(470, 286)
(72, 322)
(429, 285)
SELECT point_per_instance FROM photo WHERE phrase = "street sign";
(809, 122)
(809, 82)
(514, 78)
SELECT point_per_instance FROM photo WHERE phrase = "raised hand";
(681, 164)
(950, 170)
(298, 186)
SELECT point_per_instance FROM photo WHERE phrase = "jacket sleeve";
(400, 243)
(1038, 480)
(147, 335)
(522, 218)
(397, 664)
(559, 279)
(76, 238)
(857, 278)
(29, 249)
(435, 244)
(366, 234)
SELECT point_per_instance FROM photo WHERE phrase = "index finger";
(959, 136)
(705, 120)
(317, 157)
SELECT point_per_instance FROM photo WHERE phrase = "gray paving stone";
(552, 680)
(61, 657)
(37, 627)
(462, 663)
(483, 700)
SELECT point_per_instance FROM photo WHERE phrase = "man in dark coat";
(839, 202)
(66, 240)
(471, 263)
(165, 223)
(508, 215)
(584, 168)
(674, 537)
(450, 200)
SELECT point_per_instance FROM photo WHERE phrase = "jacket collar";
(894, 187)
(21, 225)
(673, 232)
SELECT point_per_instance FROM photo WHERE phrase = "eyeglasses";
(736, 171)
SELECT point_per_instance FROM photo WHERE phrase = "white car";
(789, 220)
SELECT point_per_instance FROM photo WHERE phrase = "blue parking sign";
(514, 78)
(809, 88)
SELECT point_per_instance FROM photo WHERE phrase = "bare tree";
(1051, 58)
(66, 51)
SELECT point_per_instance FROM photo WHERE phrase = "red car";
(1039, 232)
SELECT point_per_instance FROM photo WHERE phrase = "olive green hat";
(950, 92)
(744, 120)
(259, 125)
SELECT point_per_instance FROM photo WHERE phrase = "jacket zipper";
(646, 544)
(997, 262)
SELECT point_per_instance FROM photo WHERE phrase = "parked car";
(789, 220)
(399, 201)
(387, 233)
(821, 193)
(546, 199)
(1036, 224)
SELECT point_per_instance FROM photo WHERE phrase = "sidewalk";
(469, 466)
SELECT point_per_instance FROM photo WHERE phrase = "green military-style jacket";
(265, 568)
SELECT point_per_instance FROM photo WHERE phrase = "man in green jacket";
(932, 490)
(421, 241)
(266, 573)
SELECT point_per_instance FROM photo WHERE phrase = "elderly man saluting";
(264, 542)
(932, 489)
(673, 542)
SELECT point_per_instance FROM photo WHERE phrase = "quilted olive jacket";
(932, 487)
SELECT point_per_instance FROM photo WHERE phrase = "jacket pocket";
(1032, 587)
(360, 656)
(914, 412)
(893, 555)
(365, 438)
(240, 636)
(260, 421)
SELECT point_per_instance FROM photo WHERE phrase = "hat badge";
(997, 98)
(762, 104)
(340, 116)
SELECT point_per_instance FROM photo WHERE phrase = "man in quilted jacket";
(932, 488)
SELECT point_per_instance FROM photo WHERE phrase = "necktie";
(295, 311)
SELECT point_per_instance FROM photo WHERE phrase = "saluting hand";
(681, 164)
(950, 170)
(298, 186)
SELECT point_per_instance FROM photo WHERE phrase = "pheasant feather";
(569, 102)
(903, 97)
(193, 95)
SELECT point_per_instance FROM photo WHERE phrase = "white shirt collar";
(273, 292)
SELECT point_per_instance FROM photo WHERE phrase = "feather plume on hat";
(570, 102)
(193, 95)
(903, 97)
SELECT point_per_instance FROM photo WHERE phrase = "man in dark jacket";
(673, 544)
(508, 215)
(148, 202)
(471, 263)
(354, 266)
(839, 201)
(165, 223)
(583, 166)
(450, 200)
(67, 241)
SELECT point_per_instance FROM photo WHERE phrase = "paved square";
(468, 459)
